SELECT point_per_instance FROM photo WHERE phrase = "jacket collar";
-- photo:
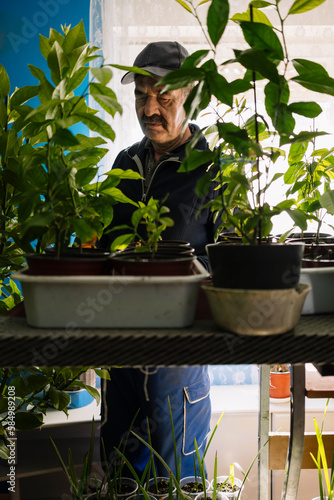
(138, 149)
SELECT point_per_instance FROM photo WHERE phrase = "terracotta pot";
(279, 385)
(72, 263)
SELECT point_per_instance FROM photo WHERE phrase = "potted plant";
(87, 482)
(51, 167)
(30, 392)
(145, 252)
(279, 382)
(247, 147)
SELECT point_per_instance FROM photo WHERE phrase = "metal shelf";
(312, 341)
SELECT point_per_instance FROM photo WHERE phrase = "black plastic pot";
(165, 263)
(72, 262)
(262, 267)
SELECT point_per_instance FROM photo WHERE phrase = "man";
(157, 158)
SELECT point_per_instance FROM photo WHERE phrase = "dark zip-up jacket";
(191, 223)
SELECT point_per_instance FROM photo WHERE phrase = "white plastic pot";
(230, 495)
(321, 297)
(111, 301)
(190, 479)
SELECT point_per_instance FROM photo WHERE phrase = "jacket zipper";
(141, 171)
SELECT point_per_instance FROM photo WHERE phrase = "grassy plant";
(326, 480)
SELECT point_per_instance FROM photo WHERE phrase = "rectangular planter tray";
(321, 297)
(111, 301)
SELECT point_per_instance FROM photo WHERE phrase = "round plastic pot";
(279, 385)
(229, 494)
(141, 264)
(151, 489)
(69, 264)
(260, 267)
(208, 496)
(192, 479)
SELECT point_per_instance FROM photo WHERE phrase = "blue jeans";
(130, 390)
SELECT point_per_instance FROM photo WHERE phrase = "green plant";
(52, 169)
(27, 393)
(247, 143)
(326, 481)
(87, 482)
(153, 216)
(310, 177)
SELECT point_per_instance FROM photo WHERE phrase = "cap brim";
(154, 70)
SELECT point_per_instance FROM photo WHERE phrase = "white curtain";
(123, 27)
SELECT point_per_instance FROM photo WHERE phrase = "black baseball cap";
(158, 58)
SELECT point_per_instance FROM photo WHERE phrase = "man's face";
(160, 115)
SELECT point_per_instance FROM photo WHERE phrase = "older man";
(157, 158)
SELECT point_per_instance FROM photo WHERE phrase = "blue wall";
(21, 21)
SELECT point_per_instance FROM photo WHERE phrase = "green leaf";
(299, 218)
(198, 99)
(4, 83)
(85, 175)
(220, 88)
(121, 242)
(182, 78)
(4, 451)
(44, 46)
(308, 109)
(301, 137)
(46, 88)
(123, 174)
(75, 38)
(118, 196)
(262, 37)
(93, 392)
(65, 138)
(23, 94)
(25, 421)
(103, 75)
(184, 5)
(236, 136)
(108, 103)
(327, 201)
(203, 185)
(57, 62)
(256, 60)
(196, 159)
(105, 211)
(194, 59)
(27, 384)
(316, 82)
(300, 6)
(304, 66)
(217, 19)
(96, 124)
(260, 4)
(59, 399)
(257, 17)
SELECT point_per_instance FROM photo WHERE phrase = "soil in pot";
(261, 267)
(72, 263)
(227, 488)
(193, 487)
(163, 487)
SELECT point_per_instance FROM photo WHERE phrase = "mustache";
(153, 119)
